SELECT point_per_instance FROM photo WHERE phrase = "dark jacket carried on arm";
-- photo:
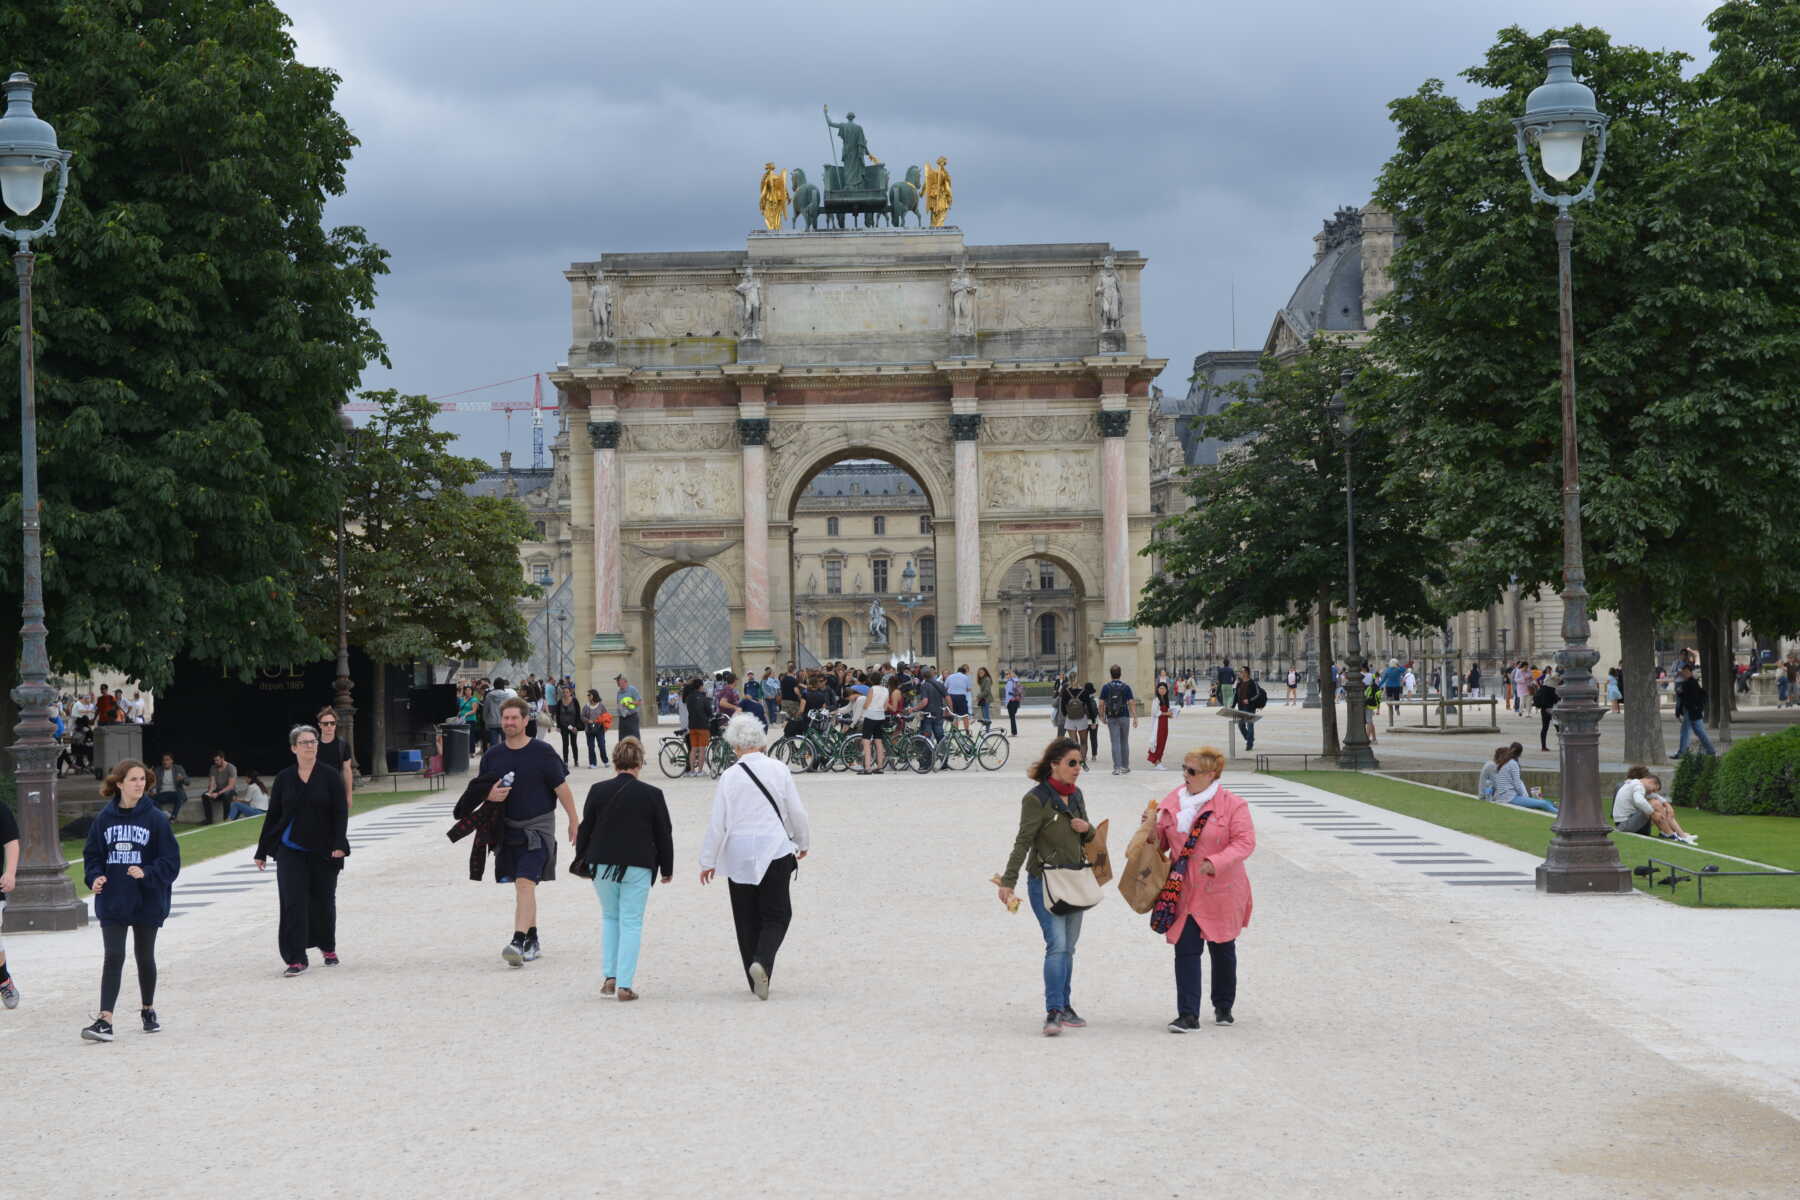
(625, 823)
(475, 815)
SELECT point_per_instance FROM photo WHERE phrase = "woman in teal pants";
(626, 838)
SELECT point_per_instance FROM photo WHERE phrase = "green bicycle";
(960, 748)
(675, 756)
(819, 747)
(907, 749)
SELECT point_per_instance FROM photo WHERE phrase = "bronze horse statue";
(806, 200)
(903, 198)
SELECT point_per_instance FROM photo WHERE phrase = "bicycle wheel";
(849, 754)
(958, 752)
(672, 758)
(993, 751)
(921, 754)
(719, 757)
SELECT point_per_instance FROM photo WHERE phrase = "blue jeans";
(1060, 936)
(621, 921)
(1530, 801)
(240, 809)
(1698, 726)
(596, 737)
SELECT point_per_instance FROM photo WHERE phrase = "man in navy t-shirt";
(1118, 707)
(526, 855)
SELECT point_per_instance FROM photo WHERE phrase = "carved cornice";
(1114, 422)
(753, 431)
(965, 427)
(604, 434)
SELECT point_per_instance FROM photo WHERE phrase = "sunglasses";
(1192, 771)
(1076, 763)
(327, 724)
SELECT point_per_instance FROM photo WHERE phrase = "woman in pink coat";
(1214, 902)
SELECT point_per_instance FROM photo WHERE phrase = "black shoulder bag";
(773, 805)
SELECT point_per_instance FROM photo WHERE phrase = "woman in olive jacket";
(626, 839)
(1053, 827)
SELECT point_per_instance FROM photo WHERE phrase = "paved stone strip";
(1403, 850)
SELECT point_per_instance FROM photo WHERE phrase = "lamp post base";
(1570, 868)
(1358, 758)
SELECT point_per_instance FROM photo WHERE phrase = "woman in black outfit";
(306, 832)
(566, 712)
(626, 839)
(1092, 704)
(1545, 699)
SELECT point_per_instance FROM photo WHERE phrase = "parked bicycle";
(675, 757)
(960, 748)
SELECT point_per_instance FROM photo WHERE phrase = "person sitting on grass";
(1639, 804)
(1509, 785)
(1488, 788)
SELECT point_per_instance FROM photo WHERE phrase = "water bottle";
(506, 780)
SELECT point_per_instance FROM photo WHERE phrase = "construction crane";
(449, 403)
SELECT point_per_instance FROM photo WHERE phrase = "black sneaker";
(1072, 1019)
(1221, 1016)
(1053, 1024)
(532, 950)
(293, 969)
(9, 994)
(331, 958)
(513, 953)
(100, 1031)
(151, 1024)
(1185, 1023)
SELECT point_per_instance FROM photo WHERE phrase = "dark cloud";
(501, 143)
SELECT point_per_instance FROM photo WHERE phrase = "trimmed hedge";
(1694, 779)
(1760, 776)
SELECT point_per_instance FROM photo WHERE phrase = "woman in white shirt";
(874, 726)
(757, 837)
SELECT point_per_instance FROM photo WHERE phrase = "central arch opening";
(863, 566)
(1043, 618)
(690, 633)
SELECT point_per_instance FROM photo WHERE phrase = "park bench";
(1442, 708)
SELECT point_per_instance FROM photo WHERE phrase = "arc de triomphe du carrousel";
(705, 389)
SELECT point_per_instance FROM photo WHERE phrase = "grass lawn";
(1771, 840)
(211, 841)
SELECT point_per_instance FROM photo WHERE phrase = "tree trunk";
(1328, 730)
(1637, 635)
(378, 726)
(1726, 688)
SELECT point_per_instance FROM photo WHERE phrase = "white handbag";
(1070, 889)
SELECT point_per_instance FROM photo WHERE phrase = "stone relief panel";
(682, 488)
(798, 310)
(715, 435)
(1040, 480)
(1042, 303)
(1061, 429)
(682, 310)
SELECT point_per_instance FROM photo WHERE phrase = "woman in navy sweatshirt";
(131, 861)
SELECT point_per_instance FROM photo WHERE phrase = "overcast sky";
(502, 142)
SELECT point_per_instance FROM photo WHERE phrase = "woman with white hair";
(757, 837)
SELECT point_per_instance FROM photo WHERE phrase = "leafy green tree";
(197, 325)
(1265, 535)
(1685, 269)
(432, 573)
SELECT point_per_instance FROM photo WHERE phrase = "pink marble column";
(608, 613)
(756, 536)
(968, 538)
(1115, 513)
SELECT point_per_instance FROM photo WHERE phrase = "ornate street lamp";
(1354, 752)
(910, 598)
(1560, 117)
(44, 897)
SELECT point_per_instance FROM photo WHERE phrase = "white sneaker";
(1690, 839)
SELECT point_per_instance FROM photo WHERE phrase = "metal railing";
(1678, 874)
